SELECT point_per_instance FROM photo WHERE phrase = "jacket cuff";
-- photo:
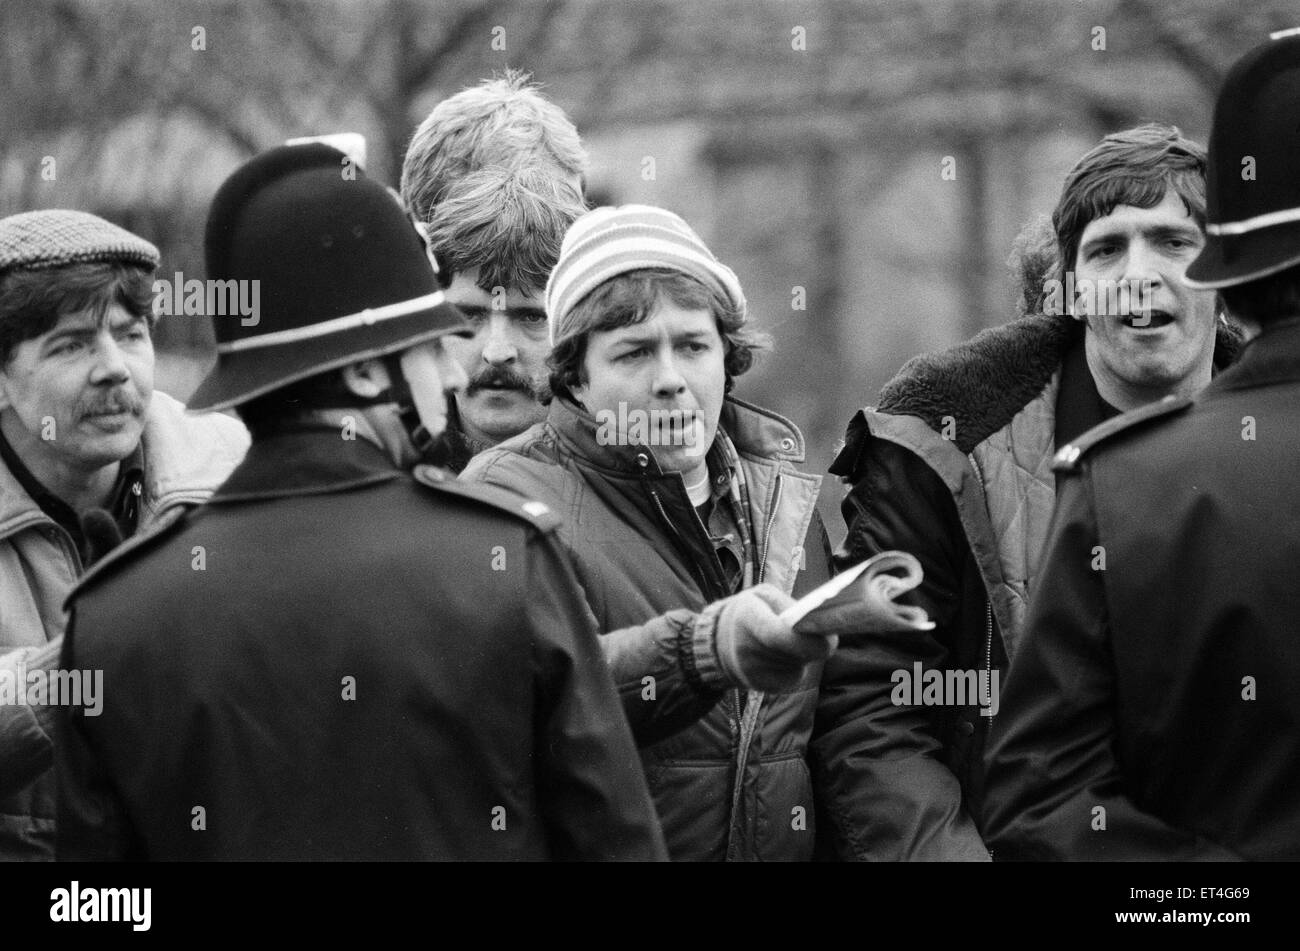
(697, 648)
(26, 750)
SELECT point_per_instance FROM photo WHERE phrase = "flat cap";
(57, 236)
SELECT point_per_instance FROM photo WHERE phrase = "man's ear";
(441, 271)
(366, 379)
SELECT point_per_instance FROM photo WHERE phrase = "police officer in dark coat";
(1153, 710)
(340, 658)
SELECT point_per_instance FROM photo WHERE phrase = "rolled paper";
(860, 600)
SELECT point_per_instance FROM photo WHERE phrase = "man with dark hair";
(89, 454)
(1151, 710)
(364, 660)
(954, 466)
(495, 176)
(690, 529)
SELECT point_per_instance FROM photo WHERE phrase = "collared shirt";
(718, 521)
(123, 500)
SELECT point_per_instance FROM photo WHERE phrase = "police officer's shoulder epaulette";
(127, 552)
(1070, 457)
(537, 513)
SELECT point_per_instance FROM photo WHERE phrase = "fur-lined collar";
(983, 383)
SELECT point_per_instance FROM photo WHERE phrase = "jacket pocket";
(693, 800)
(784, 820)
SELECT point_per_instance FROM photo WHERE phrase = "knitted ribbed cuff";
(704, 667)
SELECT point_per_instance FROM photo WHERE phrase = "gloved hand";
(754, 648)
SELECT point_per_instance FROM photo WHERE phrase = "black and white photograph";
(644, 431)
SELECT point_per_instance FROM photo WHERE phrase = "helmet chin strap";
(399, 392)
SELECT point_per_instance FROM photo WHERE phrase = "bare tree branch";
(425, 66)
(1171, 34)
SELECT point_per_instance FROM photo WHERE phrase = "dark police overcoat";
(337, 660)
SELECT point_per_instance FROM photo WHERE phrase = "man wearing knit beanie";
(89, 454)
(690, 528)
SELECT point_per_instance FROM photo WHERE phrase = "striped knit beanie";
(57, 236)
(607, 242)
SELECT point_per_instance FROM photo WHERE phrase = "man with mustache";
(498, 234)
(954, 466)
(91, 454)
(495, 176)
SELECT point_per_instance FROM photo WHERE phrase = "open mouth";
(1150, 320)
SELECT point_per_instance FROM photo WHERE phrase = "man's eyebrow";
(644, 340)
(652, 339)
(76, 330)
(1110, 236)
(1164, 231)
(83, 330)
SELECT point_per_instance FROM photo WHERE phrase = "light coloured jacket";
(185, 458)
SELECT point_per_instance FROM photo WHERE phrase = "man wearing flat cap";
(366, 659)
(89, 454)
(1152, 711)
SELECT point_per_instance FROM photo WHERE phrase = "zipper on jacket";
(735, 721)
(767, 532)
(988, 644)
(711, 588)
(643, 462)
(747, 722)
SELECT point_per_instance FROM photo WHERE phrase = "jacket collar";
(1272, 357)
(306, 459)
(185, 458)
(765, 442)
(187, 455)
(983, 383)
(756, 433)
